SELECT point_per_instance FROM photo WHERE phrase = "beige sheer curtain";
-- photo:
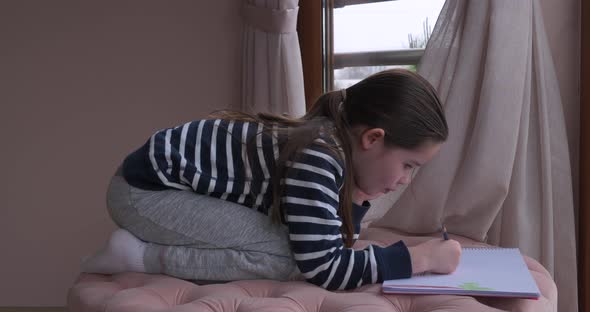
(504, 174)
(272, 71)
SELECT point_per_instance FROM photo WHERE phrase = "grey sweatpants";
(199, 237)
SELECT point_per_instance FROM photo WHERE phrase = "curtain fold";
(504, 175)
(271, 66)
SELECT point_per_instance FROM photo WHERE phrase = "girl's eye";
(408, 166)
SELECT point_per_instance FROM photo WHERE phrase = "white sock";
(122, 253)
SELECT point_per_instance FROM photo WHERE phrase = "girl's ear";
(371, 136)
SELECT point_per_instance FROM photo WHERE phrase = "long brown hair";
(399, 101)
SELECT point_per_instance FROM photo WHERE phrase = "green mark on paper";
(473, 286)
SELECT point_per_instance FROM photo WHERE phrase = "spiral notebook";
(496, 272)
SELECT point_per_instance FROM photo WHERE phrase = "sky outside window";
(382, 26)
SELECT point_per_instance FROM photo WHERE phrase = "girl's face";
(379, 169)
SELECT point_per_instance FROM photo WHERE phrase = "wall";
(81, 85)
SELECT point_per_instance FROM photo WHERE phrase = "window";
(361, 37)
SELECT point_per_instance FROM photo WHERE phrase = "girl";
(196, 201)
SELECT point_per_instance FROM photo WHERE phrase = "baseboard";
(33, 309)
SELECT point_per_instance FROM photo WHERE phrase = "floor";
(33, 309)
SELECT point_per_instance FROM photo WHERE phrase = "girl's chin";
(375, 195)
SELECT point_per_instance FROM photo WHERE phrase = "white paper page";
(487, 269)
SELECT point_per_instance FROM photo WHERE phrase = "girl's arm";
(310, 200)
(436, 255)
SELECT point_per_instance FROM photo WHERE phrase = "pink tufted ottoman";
(143, 292)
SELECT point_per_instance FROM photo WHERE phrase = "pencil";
(445, 235)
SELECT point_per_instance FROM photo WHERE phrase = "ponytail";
(331, 106)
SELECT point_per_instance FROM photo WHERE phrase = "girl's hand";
(436, 255)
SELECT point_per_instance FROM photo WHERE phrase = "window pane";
(383, 26)
(346, 77)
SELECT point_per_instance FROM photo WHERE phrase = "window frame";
(319, 60)
(584, 183)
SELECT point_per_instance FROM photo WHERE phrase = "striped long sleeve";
(231, 160)
(310, 199)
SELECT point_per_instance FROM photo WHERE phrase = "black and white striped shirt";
(213, 157)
